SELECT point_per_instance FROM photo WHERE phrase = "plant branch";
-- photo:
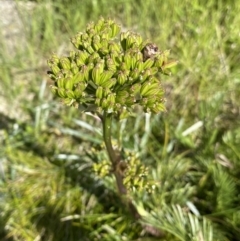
(113, 156)
(115, 159)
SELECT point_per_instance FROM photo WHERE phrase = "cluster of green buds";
(110, 74)
(136, 174)
(102, 169)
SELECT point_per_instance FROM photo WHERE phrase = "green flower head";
(112, 74)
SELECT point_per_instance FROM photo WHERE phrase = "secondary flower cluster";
(106, 74)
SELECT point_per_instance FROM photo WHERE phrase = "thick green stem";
(114, 158)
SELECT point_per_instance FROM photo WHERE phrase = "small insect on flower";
(150, 50)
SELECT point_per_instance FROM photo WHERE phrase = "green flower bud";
(55, 69)
(96, 73)
(162, 58)
(118, 59)
(127, 58)
(104, 103)
(154, 71)
(169, 65)
(145, 87)
(72, 56)
(70, 94)
(115, 29)
(121, 77)
(60, 83)
(137, 57)
(96, 42)
(54, 60)
(106, 92)
(84, 38)
(135, 88)
(65, 63)
(103, 51)
(145, 75)
(139, 66)
(150, 100)
(123, 35)
(65, 73)
(153, 90)
(98, 102)
(78, 91)
(104, 43)
(76, 40)
(122, 96)
(78, 77)
(123, 93)
(98, 26)
(135, 73)
(68, 101)
(156, 108)
(109, 84)
(94, 58)
(134, 60)
(166, 72)
(61, 93)
(148, 63)
(131, 100)
(114, 47)
(101, 64)
(74, 68)
(105, 77)
(99, 92)
(54, 89)
(110, 64)
(81, 58)
(143, 44)
(123, 41)
(138, 39)
(106, 33)
(85, 71)
(52, 76)
(59, 75)
(130, 40)
(91, 32)
(88, 47)
(111, 99)
(69, 82)
(159, 61)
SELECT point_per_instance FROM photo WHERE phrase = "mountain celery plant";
(109, 77)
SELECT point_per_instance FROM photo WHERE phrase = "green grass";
(48, 188)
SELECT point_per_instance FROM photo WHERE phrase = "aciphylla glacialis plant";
(109, 76)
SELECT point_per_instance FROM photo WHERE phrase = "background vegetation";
(48, 187)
